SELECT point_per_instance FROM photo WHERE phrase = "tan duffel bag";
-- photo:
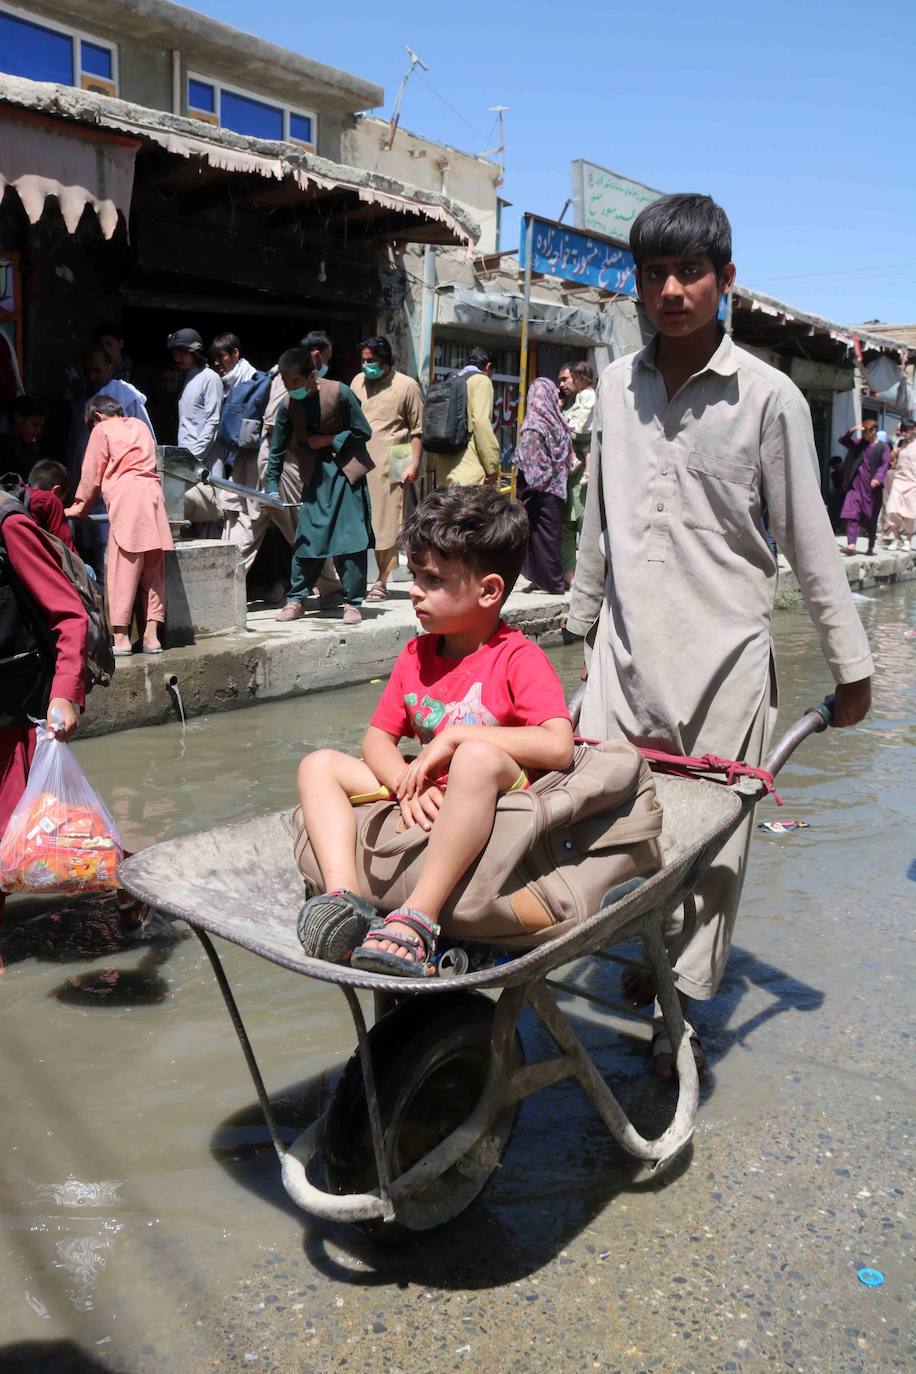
(553, 852)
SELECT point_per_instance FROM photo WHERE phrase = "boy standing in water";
(487, 707)
(675, 576)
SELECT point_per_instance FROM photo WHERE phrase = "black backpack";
(445, 416)
(100, 663)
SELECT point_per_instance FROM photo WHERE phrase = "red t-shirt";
(507, 681)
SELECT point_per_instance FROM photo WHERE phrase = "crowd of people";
(671, 568)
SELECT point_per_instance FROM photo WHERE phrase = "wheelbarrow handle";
(813, 722)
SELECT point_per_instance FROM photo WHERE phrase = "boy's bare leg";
(327, 781)
(477, 775)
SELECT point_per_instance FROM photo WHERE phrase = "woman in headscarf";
(543, 458)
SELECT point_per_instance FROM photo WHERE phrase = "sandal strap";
(416, 920)
(412, 942)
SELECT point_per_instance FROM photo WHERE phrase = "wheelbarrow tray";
(240, 881)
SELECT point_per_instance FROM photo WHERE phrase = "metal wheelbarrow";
(425, 1108)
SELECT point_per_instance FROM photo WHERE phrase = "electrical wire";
(473, 127)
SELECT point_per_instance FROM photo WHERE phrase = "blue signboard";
(588, 259)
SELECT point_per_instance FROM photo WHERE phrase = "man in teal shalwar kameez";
(323, 426)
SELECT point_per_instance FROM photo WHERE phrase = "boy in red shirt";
(49, 488)
(487, 707)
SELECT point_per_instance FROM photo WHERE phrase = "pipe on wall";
(176, 81)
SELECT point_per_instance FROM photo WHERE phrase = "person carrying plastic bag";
(44, 679)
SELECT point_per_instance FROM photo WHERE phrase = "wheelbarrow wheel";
(430, 1057)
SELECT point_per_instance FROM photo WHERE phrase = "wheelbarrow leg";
(673, 1016)
(653, 1152)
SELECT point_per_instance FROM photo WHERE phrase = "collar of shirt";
(722, 361)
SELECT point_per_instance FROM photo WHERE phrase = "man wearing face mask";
(290, 480)
(392, 404)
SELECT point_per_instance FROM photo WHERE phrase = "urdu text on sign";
(587, 259)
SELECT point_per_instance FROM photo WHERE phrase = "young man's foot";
(293, 610)
(637, 986)
(403, 945)
(151, 643)
(377, 592)
(121, 645)
(849, 548)
(351, 615)
(664, 1063)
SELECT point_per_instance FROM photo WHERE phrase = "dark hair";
(683, 223)
(477, 526)
(24, 406)
(226, 343)
(316, 339)
(478, 357)
(379, 345)
(48, 473)
(583, 371)
(108, 330)
(100, 350)
(103, 405)
(297, 360)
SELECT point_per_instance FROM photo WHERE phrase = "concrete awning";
(102, 177)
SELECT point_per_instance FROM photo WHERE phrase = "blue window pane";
(253, 117)
(30, 50)
(96, 60)
(201, 96)
(300, 128)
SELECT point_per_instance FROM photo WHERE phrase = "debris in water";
(872, 1278)
(782, 827)
(38, 1307)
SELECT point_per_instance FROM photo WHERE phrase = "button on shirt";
(683, 578)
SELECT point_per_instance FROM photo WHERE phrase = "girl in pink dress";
(120, 462)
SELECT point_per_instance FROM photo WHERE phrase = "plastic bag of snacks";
(61, 837)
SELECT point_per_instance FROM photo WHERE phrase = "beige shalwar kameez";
(394, 408)
(681, 585)
(480, 460)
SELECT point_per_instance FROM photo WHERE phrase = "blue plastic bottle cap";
(872, 1278)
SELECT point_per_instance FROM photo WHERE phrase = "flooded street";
(145, 1226)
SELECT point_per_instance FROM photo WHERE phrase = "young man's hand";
(851, 702)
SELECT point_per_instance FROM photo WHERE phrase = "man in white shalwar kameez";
(675, 579)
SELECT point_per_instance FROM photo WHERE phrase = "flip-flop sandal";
(332, 924)
(422, 944)
(377, 593)
(661, 1044)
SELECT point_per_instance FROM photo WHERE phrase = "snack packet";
(61, 837)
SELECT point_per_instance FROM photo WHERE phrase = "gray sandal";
(333, 924)
(422, 944)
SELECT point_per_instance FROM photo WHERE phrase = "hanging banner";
(606, 203)
(586, 259)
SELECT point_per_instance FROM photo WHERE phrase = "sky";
(796, 115)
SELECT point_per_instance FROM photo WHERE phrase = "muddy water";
(144, 1224)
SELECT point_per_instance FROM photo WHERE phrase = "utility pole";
(415, 61)
(499, 111)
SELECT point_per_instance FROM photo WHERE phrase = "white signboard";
(605, 203)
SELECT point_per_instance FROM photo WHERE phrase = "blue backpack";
(242, 416)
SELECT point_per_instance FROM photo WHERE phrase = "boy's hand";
(431, 762)
(421, 809)
(851, 702)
